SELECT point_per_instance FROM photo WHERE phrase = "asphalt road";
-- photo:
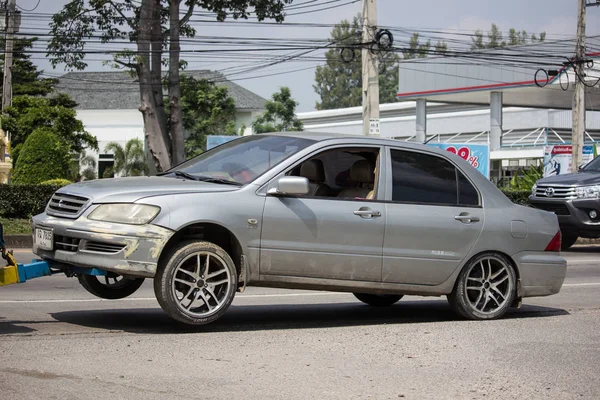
(59, 342)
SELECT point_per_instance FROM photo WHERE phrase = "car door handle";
(367, 213)
(466, 218)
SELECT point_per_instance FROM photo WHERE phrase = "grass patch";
(16, 226)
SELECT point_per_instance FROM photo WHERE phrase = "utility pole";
(8, 59)
(8, 55)
(579, 97)
(370, 69)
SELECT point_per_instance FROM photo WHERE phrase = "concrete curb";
(18, 241)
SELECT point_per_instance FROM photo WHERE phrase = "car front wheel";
(485, 288)
(111, 286)
(378, 300)
(196, 283)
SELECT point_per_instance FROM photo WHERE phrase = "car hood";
(578, 178)
(126, 190)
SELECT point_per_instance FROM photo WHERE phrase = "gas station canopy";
(469, 77)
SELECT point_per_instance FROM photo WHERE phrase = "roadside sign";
(374, 126)
(478, 155)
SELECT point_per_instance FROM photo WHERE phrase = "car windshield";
(240, 161)
(593, 165)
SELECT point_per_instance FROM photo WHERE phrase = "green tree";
(26, 78)
(129, 160)
(155, 27)
(43, 157)
(28, 113)
(88, 163)
(495, 38)
(339, 83)
(207, 110)
(280, 115)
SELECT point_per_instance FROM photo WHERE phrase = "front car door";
(327, 237)
(433, 219)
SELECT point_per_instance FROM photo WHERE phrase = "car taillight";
(554, 244)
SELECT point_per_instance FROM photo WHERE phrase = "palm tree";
(89, 162)
(129, 161)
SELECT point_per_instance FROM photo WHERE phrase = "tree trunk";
(176, 121)
(157, 144)
(156, 67)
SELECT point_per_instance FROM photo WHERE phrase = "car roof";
(371, 139)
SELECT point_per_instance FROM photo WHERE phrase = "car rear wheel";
(111, 286)
(567, 241)
(196, 283)
(378, 300)
(485, 288)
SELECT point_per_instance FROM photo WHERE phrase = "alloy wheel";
(201, 284)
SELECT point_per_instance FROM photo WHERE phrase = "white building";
(108, 106)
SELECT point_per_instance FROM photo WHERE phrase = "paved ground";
(59, 342)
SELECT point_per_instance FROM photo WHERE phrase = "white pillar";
(495, 120)
(421, 112)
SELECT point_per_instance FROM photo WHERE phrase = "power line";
(33, 9)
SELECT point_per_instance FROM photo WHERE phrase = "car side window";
(427, 179)
(349, 173)
(467, 194)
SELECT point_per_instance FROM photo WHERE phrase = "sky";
(451, 17)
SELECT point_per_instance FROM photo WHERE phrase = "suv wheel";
(485, 288)
(196, 283)
(568, 240)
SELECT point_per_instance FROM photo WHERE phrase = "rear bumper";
(541, 273)
(131, 250)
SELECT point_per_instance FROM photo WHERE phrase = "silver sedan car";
(378, 218)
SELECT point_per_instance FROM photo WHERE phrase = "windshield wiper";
(185, 175)
(202, 178)
(217, 180)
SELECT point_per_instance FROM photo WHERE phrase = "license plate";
(43, 239)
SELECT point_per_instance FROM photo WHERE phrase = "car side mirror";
(290, 185)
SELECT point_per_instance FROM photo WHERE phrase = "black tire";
(378, 300)
(568, 240)
(165, 288)
(120, 287)
(461, 300)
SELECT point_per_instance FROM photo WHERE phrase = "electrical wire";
(33, 9)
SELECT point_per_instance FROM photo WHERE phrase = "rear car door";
(433, 218)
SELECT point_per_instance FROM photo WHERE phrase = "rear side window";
(427, 179)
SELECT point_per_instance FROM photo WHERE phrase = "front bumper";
(573, 215)
(130, 250)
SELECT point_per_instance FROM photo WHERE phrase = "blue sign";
(478, 155)
(216, 140)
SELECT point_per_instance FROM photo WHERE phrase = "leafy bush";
(525, 179)
(24, 201)
(517, 196)
(43, 157)
(57, 182)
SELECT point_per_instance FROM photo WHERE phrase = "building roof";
(119, 90)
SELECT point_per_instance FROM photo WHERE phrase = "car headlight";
(588, 192)
(133, 214)
(533, 189)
